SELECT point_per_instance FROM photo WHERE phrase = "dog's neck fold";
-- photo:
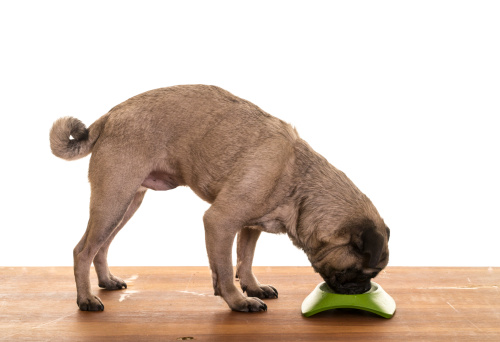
(322, 201)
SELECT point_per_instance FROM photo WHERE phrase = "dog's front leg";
(220, 230)
(247, 240)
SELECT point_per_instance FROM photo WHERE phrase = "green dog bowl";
(375, 300)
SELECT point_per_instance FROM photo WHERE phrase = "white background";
(403, 96)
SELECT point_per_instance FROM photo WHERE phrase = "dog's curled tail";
(71, 140)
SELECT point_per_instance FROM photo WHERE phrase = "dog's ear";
(373, 243)
(367, 241)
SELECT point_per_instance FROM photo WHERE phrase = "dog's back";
(195, 134)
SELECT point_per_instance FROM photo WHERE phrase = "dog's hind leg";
(113, 192)
(107, 280)
(247, 240)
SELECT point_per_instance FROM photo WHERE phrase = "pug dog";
(254, 170)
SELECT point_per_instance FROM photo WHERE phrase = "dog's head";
(348, 259)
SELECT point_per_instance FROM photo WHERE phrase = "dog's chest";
(272, 226)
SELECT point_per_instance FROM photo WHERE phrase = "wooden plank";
(169, 303)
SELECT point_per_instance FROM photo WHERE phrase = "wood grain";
(171, 303)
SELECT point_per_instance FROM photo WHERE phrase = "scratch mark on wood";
(42, 325)
(54, 321)
(475, 326)
(194, 293)
(468, 320)
(452, 306)
(189, 282)
(466, 287)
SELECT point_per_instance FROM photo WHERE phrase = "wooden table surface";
(177, 303)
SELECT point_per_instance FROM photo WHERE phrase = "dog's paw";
(92, 303)
(113, 283)
(262, 292)
(249, 304)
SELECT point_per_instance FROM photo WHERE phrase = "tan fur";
(253, 168)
